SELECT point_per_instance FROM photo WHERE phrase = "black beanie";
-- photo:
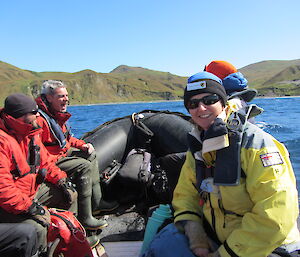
(17, 105)
(204, 82)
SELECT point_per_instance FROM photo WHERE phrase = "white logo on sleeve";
(270, 159)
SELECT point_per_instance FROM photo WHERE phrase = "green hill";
(87, 87)
(274, 78)
(124, 83)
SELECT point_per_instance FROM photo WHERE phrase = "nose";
(201, 106)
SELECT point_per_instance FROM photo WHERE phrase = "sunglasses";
(34, 112)
(206, 100)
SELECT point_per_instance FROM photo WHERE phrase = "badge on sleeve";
(270, 159)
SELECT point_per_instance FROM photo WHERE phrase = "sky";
(164, 35)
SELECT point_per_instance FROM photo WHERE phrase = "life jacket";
(71, 233)
(56, 130)
(34, 162)
(227, 168)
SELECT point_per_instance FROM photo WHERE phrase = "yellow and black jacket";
(239, 179)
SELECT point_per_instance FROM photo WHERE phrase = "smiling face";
(204, 115)
(59, 100)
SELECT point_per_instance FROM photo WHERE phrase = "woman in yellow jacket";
(236, 194)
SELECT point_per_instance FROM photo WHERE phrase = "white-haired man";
(79, 163)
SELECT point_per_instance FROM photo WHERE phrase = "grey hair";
(49, 86)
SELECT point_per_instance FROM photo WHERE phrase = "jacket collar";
(216, 137)
(15, 127)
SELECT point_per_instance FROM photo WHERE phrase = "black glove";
(68, 189)
(40, 214)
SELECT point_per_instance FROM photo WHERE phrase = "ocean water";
(280, 118)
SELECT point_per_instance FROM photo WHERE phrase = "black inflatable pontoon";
(140, 157)
(161, 133)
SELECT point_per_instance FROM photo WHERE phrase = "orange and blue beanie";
(234, 82)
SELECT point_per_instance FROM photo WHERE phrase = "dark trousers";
(78, 163)
(48, 195)
(18, 240)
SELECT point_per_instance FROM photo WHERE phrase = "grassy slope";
(139, 84)
(87, 86)
(274, 77)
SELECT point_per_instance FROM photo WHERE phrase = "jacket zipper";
(212, 212)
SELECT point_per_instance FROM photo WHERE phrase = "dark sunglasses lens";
(193, 104)
(207, 100)
(210, 99)
(34, 112)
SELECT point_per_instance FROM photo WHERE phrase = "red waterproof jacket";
(17, 184)
(47, 136)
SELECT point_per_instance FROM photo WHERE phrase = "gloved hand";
(89, 148)
(40, 214)
(198, 239)
(68, 189)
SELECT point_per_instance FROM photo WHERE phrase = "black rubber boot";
(84, 188)
(105, 206)
(100, 205)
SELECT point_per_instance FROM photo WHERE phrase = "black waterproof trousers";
(18, 239)
(49, 195)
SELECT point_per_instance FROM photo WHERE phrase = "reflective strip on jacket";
(257, 215)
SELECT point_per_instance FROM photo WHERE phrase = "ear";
(49, 98)
(22, 118)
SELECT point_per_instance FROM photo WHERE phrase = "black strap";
(74, 230)
(188, 212)
(210, 232)
(229, 251)
(34, 158)
(69, 224)
(143, 136)
(16, 173)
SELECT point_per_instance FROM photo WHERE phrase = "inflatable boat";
(140, 155)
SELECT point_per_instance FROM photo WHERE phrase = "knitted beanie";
(17, 105)
(220, 68)
(204, 82)
(234, 82)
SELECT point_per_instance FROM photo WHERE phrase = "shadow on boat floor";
(127, 223)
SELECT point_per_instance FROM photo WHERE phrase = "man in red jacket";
(29, 178)
(73, 155)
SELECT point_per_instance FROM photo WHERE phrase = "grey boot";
(84, 189)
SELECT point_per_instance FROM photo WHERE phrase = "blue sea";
(280, 118)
